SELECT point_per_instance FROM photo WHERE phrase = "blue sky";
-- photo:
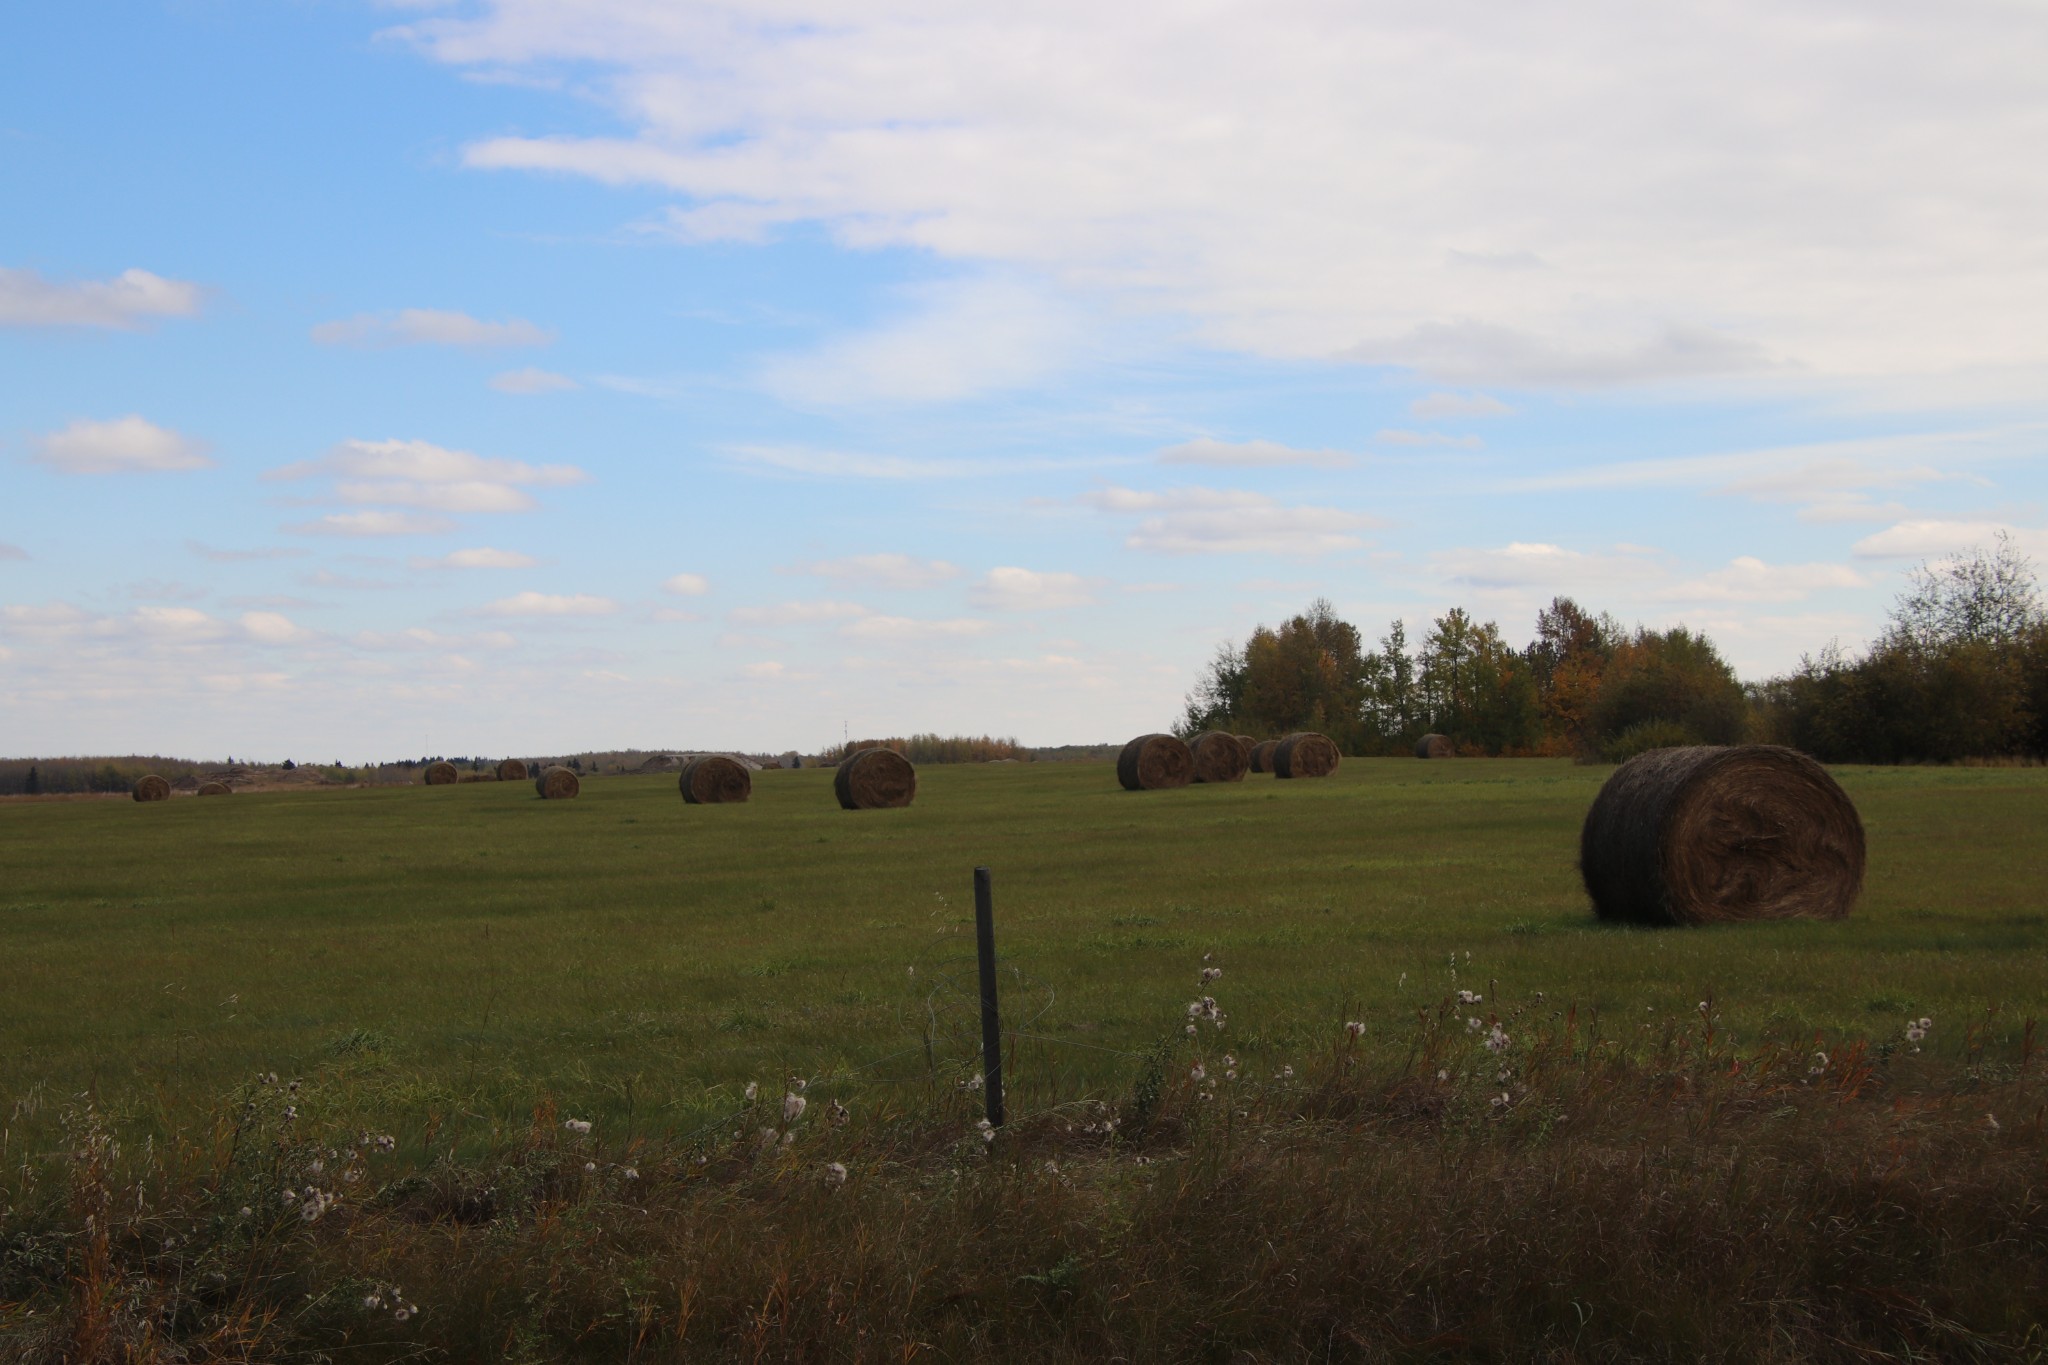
(530, 375)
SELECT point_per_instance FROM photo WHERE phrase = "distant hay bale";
(557, 783)
(1219, 757)
(441, 775)
(874, 779)
(212, 789)
(1435, 746)
(512, 770)
(1155, 763)
(714, 779)
(1306, 754)
(151, 788)
(1705, 835)
(1262, 755)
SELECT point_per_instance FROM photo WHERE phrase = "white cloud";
(767, 668)
(905, 628)
(838, 464)
(482, 557)
(883, 570)
(1013, 589)
(1523, 564)
(1543, 195)
(1229, 521)
(219, 556)
(673, 614)
(126, 445)
(420, 638)
(1931, 539)
(371, 524)
(1434, 407)
(546, 604)
(181, 624)
(1250, 455)
(273, 628)
(419, 474)
(1394, 436)
(429, 327)
(531, 380)
(1748, 579)
(963, 339)
(686, 585)
(795, 613)
(466, 496)
(130, 298)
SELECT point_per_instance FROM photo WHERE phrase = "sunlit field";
(464, 950)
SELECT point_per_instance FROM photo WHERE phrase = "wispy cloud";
(1014, 589)
(549, 604)
(220, 556)
(1229, 521)
(429, 327)
(882, 570)
(126, 445)
(427, 477)
(481, 557)
(686, 585)
(1251, 455)
(795, 613)
(1435, 407)
(531, 381)
(128, 300)
(371, 524)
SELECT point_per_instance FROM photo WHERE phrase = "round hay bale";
(1306, 754)
(441, 775)
(1219, 757)
(557, 784)
(1702, 835)
(874, 779)
(1262, 755)
(1435, 746)
(151, 788)
(1154, 763)
(214, 789)
(512, 770)
(714, 780)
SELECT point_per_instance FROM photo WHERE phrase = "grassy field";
(462, 950)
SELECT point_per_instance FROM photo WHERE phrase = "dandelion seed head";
(835, 1173)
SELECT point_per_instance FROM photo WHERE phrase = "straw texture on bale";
(441, 774)
(512, 770)
(1262, 755)
(1154, 763)
(1306, 754)
(215, 789)
(1435, 746)
(557, 783)
(874, 779)
(1703, 835)
(714, 779)
(1219, 757)
(151, 788)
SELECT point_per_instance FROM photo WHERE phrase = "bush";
(1648, 735)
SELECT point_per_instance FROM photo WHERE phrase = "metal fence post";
(991, 1024)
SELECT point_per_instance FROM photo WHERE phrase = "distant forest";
(1960, 672)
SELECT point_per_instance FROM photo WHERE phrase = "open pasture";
(461, 951)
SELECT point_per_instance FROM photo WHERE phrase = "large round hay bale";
(1306, 754)
(874, 779)
(1700, 834)
(1154, 763)
(215, 789)
(557, 783)
(512, 770)
(1219, 757)
(151, 788)
(1435, 746)
(1262, 755)
(441, 775)
(714, 779)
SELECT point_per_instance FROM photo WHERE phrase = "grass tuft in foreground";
(1520, 1188)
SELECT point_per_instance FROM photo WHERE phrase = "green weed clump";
(1526, 1184)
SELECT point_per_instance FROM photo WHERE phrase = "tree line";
(1961, 671)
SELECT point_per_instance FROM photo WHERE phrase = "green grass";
(482, 946)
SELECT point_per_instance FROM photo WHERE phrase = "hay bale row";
(1262, 755)
(874, 779)
(714, 779)
(1705, 835)
(151, 788)
(1219, 757)
(1155, 763)
(557, 784)
(512, 770)
(441, 775)
(1435, 746)
(212, 789)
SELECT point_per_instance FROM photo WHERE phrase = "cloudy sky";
(530, 375)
